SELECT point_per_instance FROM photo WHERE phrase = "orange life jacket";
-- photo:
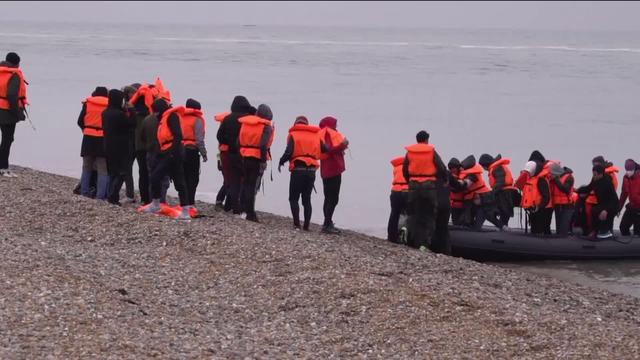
(508, 178)
(251, 129)
(612, 171)
(95, 105)
(165, 136)
(531, 196)
(306, 145)
(150, 93)
(187, 125)
(456, 198)
(335, 136)
(557, 196)
(477, 187)
(219, 117)
(421, 164)
(399, 183)
(5, 75)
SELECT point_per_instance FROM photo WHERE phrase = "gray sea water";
(572, 95)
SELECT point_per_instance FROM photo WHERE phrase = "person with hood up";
(255, 138)
(227, 135)
(117, 124)
(630, 190)
(479, 201)
(303, 152)
(536, 198)
(169, 160)
(13, 101)
(332, 166)
(501, 183)
(92, 149)
(193, 131)
(561, 184)
(422, 166)
(456, 191)
(607, 206)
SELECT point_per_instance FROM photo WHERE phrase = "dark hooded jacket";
(230, 128)
(15, 113)
(543, 185)
(91, 145)
(117, 125)
(142, 111)
(334, 164)
(605, 193)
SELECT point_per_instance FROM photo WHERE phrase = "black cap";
(193, 104)
(422, 136)
(13, 58)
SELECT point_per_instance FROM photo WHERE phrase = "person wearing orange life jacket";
(398, 199)
(169, 160)
(223, 165)
(193, 132)
(92, 148)
(303, 152)
(421, 168)
(607, 202)
(591, 200)
(561, 183)
(479, 201)
(255, 139)
(536, 197)
(332, 166)
(501, 183)
(13, 100)
(456, 191)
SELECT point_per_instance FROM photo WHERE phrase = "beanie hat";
(530, 167)
(13, 58)
(264, 111)
(301, 120)
(454, 163)
(159, 106)
(486, 160)
(630, 165)
(193, 104)
(555, 169)
(100, 91)
(599, 159)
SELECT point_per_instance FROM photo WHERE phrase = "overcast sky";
(518, 15)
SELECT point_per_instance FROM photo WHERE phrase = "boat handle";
(497, 241)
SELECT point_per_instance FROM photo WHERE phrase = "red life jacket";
(95, 105)
(336, 139)
(399, 183)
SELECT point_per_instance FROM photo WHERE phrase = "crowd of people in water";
(139, 123)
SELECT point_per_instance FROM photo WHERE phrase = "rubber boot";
(85, 183)
(102, 187)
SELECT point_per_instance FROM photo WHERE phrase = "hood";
(537, 157)
(330, 122)
(100, 91)
(453, 163)
(486, 160)
(193, 104)
(159, 106)
(7, 64)
(116, 98)
(241, 105)
(468, 162)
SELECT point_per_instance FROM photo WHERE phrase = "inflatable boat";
(493, 245)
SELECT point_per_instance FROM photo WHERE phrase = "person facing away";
(13, 101)
(149, 145)
(169, 159)
(605, 210)
(501, 183)
(223, 165)
(561, 184)
(92, 149)
(128, 92)
(536, 196)
(479, 201)
(117, 124)
(255, 138)
(398, 199)
(303, 152)
(228, 135)
(631, 191)
(193, 131)
(421, 166)
(332, 166)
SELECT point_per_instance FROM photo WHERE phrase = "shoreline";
(83, 278)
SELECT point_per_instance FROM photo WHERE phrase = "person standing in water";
(13, 101)
(332, 166)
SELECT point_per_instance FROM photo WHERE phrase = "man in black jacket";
(228, 135)
(117, 125)
(605, 211)
(13, 113)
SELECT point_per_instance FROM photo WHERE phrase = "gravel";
(84, 279)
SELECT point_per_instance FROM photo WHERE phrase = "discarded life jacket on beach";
(306, 145)
(508, 178)
(334, 135)
(476, 187)
(612, 171)
(531, 196)
(5, 75)
(94, 106)
(250, 136)
(456, 198)
(150, 93)
(165, 136)
(219, 117)
(187, 125)
(557, 196)
(399, 183)
(422, 166)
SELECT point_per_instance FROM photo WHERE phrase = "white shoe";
(606, 235)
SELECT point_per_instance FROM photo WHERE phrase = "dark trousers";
(398, 200)
(504, 205)
(168, 165)
(541, 221)
(301, 185)
(234, 183)
(143, 177)
(249, 183)
(5, 146)
(128, 177)
(602, 226)
(631, 217)
(457, 215)
(224, 168)
(422, 211)
(331, 197)
(192, 172)
(441, 243)
(117, 168)
(564, 215)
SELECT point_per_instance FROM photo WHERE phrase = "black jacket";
(117, 125)
(605, 193)
(230, 128)
(16, 112)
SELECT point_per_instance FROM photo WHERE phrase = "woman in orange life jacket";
(398, 198)
(479, 201)
(501, 183)
(13, 99)
(561, 187)
(193, 131)
(94, 162)
(303, 152)
(456, 191)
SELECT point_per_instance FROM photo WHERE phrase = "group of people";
(429, 193)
